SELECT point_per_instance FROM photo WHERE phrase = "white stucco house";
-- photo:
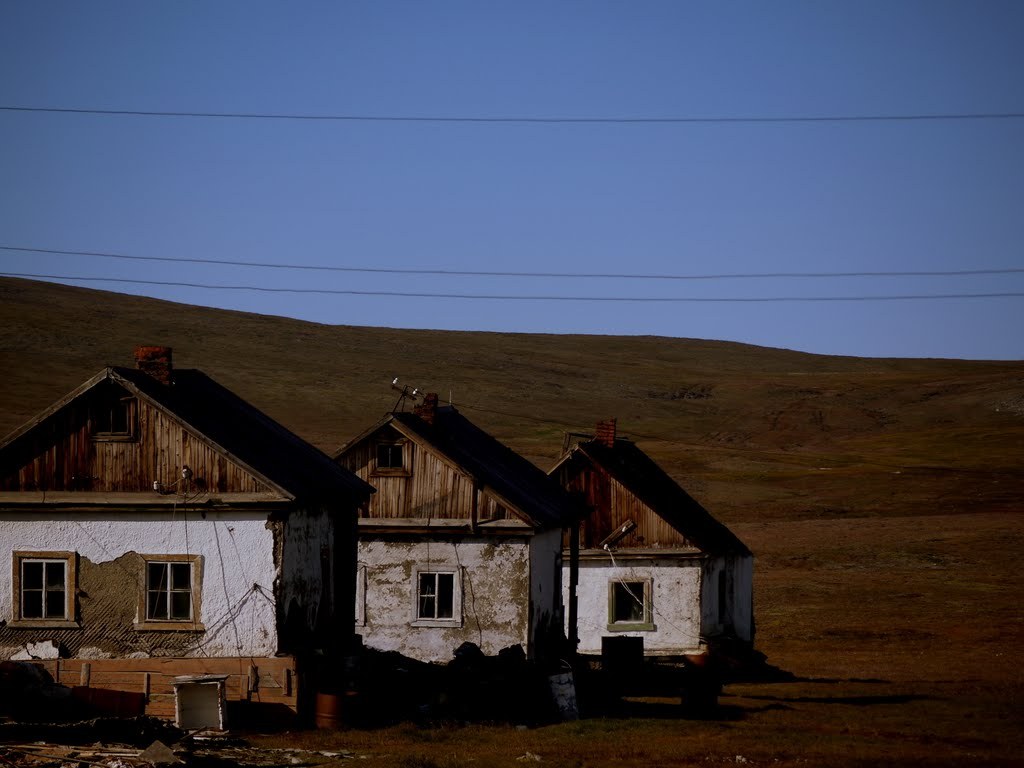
(460, 543)
(154, 525)
(653, 563)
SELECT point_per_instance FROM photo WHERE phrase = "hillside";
(754, 433)
(881, 497)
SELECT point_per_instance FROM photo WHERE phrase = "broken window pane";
(629, 602)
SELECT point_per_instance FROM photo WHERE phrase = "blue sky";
(679, 199)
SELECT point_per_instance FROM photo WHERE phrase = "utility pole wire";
(526, 120)
(523, 297)
(484, 273)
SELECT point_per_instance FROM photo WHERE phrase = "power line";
(528, 120)
(527, 297)
(485, 273)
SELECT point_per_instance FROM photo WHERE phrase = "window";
(170, 599)
(361, 595)
(44, 589)
(392, 458)
(113, 418)
(629, 605)
(437, 598)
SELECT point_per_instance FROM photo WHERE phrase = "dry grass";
(881, 497)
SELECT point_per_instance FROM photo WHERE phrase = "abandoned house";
(154, 526)
(653, 563)
(461, 542)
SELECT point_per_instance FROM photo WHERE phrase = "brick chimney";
(427, 410)
(606, 433)
(156, 361)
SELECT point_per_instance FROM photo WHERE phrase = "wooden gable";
(109, 437)
(613, 505)
(427, 486)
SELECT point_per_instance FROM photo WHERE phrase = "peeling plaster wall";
(675, 600)
(236, 551)
(496, 592)
(739, 618)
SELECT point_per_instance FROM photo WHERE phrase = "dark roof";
(247, 434)
(536, 496)
(655, 488)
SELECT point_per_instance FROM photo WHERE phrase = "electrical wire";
(528, 297)
(874, 118)
(546, 275)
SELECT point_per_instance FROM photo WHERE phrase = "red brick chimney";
(606, 433)
(427, 410)
(156, 361)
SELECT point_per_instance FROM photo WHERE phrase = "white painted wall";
(495, 587)
(676, 604)
(237, 552)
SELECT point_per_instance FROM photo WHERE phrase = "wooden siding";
(267, 681)
(65, 453)
(428, 487)
(613, 505)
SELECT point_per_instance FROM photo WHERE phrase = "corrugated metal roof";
(651, 484)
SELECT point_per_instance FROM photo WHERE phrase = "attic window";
(114, 418)
(391, 458)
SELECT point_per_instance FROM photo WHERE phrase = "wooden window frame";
(130, 404)
(361, 595)
(68, 620)
(427, 621)
(144, 622)
(647, 623)
(403, 471)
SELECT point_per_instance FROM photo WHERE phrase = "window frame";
(646, 624)
(144, 621)
(129, 404)
(404, 450)
(69, 619)
(455, 620)
(361, 595)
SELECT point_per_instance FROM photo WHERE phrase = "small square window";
(629, 605)
(170, 599)
(44, 589)
(437, 598)
(389, 456)
(113, 418)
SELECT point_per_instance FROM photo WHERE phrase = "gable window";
(629, 605)
(44, 589)
(391, 458)
(170, 598)
(437, 597)
(113, 418)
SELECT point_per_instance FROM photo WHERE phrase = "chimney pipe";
(156, 362)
